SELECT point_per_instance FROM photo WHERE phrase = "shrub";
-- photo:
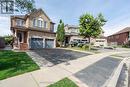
(126, 46)
(80, 45)
(85, 47)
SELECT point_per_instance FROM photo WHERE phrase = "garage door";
(36, 43)
(49, 43)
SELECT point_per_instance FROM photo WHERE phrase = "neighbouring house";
(2, 42)
(72, 33)
(33, 31)
(120, 38)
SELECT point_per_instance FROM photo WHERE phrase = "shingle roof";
(72, 26)
(127, 29)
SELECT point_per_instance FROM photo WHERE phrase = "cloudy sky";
(115, 11)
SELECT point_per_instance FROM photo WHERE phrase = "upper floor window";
(19, 22)
(45, 24)
(34, 22)
(40, 22)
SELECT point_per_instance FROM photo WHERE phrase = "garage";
(36, 43)
(49, 43)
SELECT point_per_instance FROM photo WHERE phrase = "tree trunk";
(60, 44)
(89, 43)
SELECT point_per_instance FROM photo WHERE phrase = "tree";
(60, 33)
(91, 26)
(20, 5)
(25, 5)
(8, 39)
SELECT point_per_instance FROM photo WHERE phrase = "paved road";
(122, 77)
(57, 56)
(97, 74)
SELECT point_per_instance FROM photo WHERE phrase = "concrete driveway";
(57, 56)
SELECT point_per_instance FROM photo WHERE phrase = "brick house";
(33, 31)
(72, 33)
(120, 38)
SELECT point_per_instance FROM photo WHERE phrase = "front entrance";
(20, 36)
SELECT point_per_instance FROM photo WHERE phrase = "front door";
(20, 36)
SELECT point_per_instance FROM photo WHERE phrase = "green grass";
(64, 83)
(15, 63)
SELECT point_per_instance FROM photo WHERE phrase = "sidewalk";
(49, 75)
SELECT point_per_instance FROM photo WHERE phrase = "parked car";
(78, 43)
(73, 43)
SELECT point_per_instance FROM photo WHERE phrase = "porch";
(20, 40)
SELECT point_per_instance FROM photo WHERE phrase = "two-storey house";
(33, 31)
(72, 33)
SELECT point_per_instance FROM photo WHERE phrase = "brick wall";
(23, 46)
(119, 38)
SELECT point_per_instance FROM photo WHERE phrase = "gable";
(39, 14)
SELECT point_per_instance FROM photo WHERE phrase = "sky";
(116, 12)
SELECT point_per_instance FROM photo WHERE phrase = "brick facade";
(23, 28)
(120, 39)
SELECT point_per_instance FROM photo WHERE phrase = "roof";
(31, 13)
(127, 29)
(71, 26)
(73, 33)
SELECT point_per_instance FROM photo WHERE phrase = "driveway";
(57, 56)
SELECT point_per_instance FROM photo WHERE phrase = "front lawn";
(15, 63)
(64, 83)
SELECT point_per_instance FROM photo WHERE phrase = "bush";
(85, 47)
(8, 39)
(126, 46)
(80, 45)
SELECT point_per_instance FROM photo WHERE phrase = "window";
(45, 24)
(34, 22)
(40, 22)
(19, 22)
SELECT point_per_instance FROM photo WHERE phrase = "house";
(33, 31)
(120, 38)
(72, 33)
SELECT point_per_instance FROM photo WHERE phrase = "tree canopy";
(25, 5)
(17, 5)
(91, 26)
